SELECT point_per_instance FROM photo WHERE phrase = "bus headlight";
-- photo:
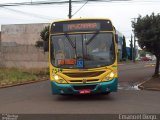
(110, 76)
(59, 79)
(56, 77)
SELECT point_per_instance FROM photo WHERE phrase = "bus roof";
(73, 19)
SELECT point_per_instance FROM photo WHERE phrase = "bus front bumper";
(89, 88)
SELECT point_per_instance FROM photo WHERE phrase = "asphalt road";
(37, 97)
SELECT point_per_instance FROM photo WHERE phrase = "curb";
(147, 88)
(23, 83)
(140, 86)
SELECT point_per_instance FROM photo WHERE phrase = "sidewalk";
(151, 84)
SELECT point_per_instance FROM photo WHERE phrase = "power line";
(55, 2)
(80, 8)
(25, 13)
(37, 3)
(31, 3)
(31, 14)
(61, 2)
(74, 1)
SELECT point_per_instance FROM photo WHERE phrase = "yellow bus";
(83, 56)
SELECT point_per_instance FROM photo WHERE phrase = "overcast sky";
(121, 13)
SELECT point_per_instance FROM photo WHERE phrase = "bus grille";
(85, 74)
(91, 87)
(81, 81)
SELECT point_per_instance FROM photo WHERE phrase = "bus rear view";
(82, 56)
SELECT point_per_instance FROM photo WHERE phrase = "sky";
(120, 12)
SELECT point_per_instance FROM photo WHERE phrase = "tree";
(142, 53)
(131, 50)
(39, 44)
(124, 51)
(147, 30)
(44, 34)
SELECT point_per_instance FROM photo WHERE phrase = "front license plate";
(87, 91)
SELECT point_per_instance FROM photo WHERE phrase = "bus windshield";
(91, 49)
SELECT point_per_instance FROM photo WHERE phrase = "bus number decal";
(56, 70)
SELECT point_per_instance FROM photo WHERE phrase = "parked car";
(146, 59)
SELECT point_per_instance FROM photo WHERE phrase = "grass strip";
(9, 76)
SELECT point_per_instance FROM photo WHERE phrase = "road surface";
(37, 98)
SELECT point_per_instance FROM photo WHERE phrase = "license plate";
(87, 91)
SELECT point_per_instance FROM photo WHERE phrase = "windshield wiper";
(94, 35)
(72, 44)
(70, 41)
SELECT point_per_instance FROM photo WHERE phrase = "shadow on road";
(97, 97)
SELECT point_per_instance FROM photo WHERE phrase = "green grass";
(15, 76)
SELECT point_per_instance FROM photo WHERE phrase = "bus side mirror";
(45, 46)
(116, 37)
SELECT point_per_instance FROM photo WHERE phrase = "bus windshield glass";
(89, 50)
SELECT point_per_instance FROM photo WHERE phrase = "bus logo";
(84, 80)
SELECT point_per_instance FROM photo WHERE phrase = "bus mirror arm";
(70, 41)
(116, 38)
(45, 46)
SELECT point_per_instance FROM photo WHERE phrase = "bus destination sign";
(81, 27)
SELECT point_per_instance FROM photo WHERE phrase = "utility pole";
(70, 9)
(134, 59)
(134, 50)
